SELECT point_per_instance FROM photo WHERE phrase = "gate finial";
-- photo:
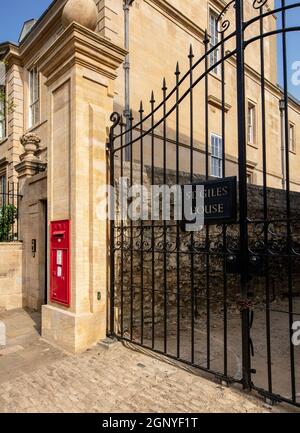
(152, 100)
(191, 53)
(141, 110)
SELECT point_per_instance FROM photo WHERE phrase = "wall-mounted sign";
(220, 201)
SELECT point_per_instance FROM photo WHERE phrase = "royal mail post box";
(60, 262)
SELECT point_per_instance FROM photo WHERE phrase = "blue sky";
(293, 46)
(13, 13)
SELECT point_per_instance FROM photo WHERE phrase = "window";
(292, 144)
(214, 40)
(2, 190)
(34, 98)
(2, 113)
(251, 123)
(216, 156)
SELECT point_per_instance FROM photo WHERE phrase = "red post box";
(60, 262)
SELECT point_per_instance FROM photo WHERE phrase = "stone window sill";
(215, 75)
(33, 128)
(255, 146)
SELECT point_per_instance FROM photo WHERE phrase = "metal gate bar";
(163, 281)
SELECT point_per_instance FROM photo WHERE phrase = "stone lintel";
(79, 45)
(3, 162)
(216, 102)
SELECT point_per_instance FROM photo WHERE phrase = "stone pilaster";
(16, 114)
(32, 187)
(80, 68)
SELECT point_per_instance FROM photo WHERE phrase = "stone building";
(70, 70)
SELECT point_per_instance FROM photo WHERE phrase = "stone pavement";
(36, 377)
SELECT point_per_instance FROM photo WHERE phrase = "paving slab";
(36, 377)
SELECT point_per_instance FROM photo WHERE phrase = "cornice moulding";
(43, 26)
(78, 45)
(220, 4)
(174, 14)
(13, 56)
(29, 168)
(32, 50)
(272, 87)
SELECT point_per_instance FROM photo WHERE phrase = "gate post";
(242, 158)
(115, 118)
(80, 68)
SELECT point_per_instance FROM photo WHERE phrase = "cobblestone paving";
(120, 379)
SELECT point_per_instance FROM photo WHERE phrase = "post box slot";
(58, 234)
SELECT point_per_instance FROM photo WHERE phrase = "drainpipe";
(126, 7)
(282, 122)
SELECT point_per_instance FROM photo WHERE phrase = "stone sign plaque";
(220, 201)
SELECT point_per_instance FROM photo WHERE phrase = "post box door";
(60, 275)
(60, 262)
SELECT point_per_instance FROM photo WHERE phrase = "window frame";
(292, 148)
(34, 97)
(3, 188)
(214, 39)
(249, 177)
(216, 156)
(251, 140)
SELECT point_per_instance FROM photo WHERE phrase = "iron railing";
(9, 213)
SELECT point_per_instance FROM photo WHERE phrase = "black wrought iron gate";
(224, 299)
